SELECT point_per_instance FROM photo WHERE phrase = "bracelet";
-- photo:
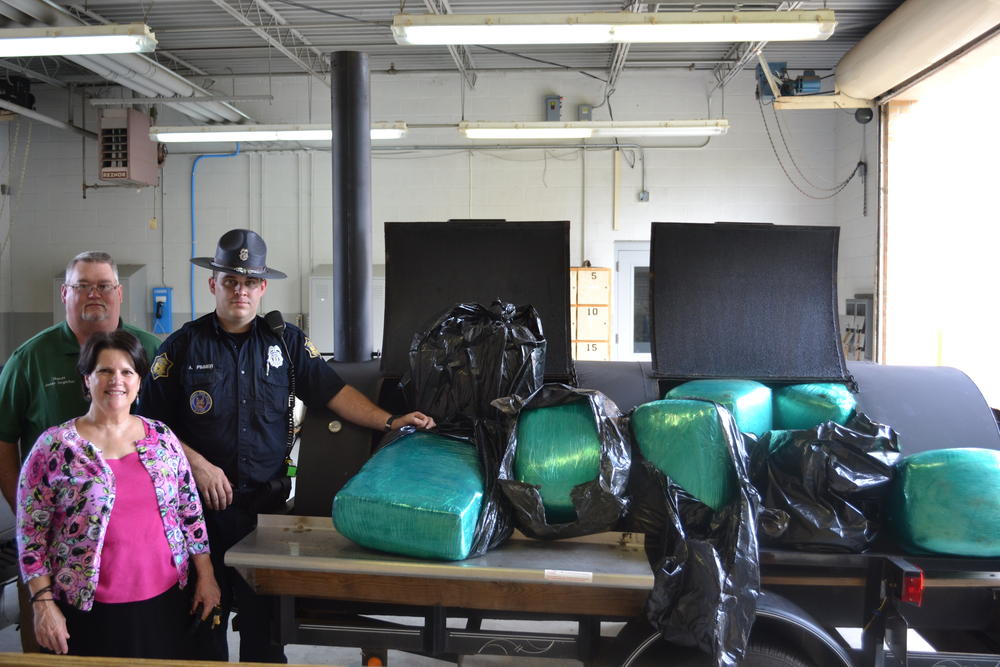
(388, 422)
(37, 595)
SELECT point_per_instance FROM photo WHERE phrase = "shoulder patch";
(161, 366)
(311, 348)
(200, 401)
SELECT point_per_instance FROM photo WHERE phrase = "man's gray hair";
(94, 256)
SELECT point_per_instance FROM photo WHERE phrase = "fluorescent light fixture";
(597, 128)
(78, 40)
(613, 27)
(523, 131)
(247, 133)
(388, 130)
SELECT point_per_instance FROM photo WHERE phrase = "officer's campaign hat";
(241, 252)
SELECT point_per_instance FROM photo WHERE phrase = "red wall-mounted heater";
(126, 153)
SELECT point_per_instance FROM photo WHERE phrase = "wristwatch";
(388, 422)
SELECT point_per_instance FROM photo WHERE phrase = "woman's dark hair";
(119, 339)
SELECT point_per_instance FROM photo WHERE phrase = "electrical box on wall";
(857, 335)
(126, 154)
(553, 108)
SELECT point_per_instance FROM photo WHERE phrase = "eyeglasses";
(248, 284)
(87, 288)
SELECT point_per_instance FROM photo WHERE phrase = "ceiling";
(202, 39)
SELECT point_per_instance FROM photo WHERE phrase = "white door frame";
(628, 256)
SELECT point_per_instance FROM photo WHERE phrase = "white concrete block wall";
(286, 195)
(858, 231)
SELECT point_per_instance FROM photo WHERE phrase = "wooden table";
(306, 557)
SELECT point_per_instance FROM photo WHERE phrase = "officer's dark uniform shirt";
(228, 399)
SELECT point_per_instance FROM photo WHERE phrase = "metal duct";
(918, 34)
(113, 73)
(138, 73)
(129, 77)
(352, 206)
(125, 77)
(153, 71)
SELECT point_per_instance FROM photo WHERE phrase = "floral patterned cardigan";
(64, 500)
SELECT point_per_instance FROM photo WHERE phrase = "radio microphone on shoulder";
(275, 322)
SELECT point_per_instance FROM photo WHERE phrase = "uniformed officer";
(40, 386)
(222, 383)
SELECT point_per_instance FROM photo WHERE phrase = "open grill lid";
(431, 266)
(745, 300)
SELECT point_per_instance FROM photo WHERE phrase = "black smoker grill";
(752, 301)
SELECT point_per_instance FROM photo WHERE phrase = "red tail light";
(913, 588)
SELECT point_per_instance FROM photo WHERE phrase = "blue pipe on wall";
(194, 167)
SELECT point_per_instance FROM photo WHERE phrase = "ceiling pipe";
(918, 34)
(38, 76)
(48, 120)
(14, 14)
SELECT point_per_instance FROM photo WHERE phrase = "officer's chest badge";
(274, 358)
(200, 401)
(311, 349)
(161, 367)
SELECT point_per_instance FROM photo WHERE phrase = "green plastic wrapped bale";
(557, 448)
(947, 501)
(686, 441)
(803, 406)
(419, 496)
(749, 401)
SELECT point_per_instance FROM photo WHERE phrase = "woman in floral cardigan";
(108, 519)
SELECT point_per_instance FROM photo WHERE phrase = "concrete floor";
(351, 657)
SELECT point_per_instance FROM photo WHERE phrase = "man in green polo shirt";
(39, 385)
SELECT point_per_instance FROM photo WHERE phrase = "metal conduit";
(194, 225)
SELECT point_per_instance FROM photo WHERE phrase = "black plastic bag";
(599, 503)
(824, 488)
(471, 355)
(706, 572)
